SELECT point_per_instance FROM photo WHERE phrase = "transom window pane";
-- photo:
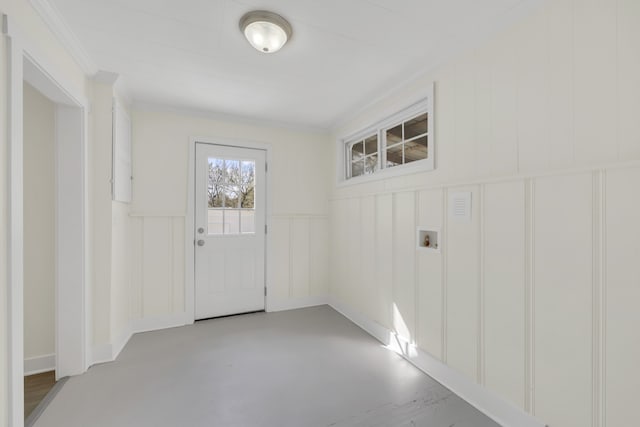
(408, 141)
(231, 195)
(415, 127)
(371, 145)
(364, 156)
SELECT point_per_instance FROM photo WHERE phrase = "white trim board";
(284, 304)
(502, 412)
(39, 364)
(101, 353)
(148, 324)
(109, 352)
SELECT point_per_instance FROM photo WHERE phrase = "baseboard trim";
(283, 304)
(39, 364)
(155, 323)
(102, 353)
(121, 341)
(502, 412)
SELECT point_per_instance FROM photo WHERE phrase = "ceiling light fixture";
(265, 31)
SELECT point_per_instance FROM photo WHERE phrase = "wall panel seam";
(599, 251)
(445, 252)
(416, 282)
(481, 289)
(595, 257)
(290, 253)
(603, 302)
(142, 275)
(170, 283)
(530, 295)
(309, 257)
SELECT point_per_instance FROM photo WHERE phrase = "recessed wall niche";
(428, 238)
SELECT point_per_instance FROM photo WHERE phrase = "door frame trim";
(26, 61)
(189, 232)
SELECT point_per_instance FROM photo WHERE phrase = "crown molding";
(58, 26)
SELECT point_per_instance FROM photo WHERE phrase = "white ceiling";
(190, 53)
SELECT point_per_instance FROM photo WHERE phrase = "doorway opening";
(69, 208)
(39, 217)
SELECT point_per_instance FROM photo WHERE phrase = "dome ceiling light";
(265, 31)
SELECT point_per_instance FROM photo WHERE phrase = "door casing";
(26, 62)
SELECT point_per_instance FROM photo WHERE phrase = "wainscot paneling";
(534, 298)
(404, 261)
(503, 302)
(158, 266)
(563, 299)
(297, 263)
(429, 291)
(622, 296)
(384, 256)
(463, 274)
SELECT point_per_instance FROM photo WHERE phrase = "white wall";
(100, 210)
(111, 232)
(297, 255)
(4, 335)
(534, 297)
(39, 220)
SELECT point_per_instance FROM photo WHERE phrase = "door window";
(231, 196)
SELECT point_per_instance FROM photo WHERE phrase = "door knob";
(200, 230)
(200, 242)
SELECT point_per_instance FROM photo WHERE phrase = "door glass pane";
(247, 185)
(232, 221)
(232, 171)
(215, 221)
(231, 196)
(215, 183)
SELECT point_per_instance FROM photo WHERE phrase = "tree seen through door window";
(231, 196)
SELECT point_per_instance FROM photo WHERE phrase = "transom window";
(231, 196)
(405, 138)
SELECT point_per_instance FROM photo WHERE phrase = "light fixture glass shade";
(265, 31)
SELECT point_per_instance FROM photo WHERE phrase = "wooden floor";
(36, 388)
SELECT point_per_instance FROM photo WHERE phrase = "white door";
(230, 230)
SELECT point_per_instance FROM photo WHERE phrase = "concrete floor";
(309, 367)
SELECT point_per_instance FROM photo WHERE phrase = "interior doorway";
(26, 64)
(39, 217)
